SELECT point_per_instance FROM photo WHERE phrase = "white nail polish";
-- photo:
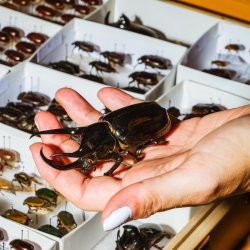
(37, 125)
(118, 217)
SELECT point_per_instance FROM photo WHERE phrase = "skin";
(206, 159)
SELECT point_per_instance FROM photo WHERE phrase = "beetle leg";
(70, 131)
(118, 160)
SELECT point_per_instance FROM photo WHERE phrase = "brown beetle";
(21, 2)
(57, 4)
(4, 37)
(37, 38)
(102, 67)
(9, 6)
(82, 9)
(26, 47)
(14, 55)
(13, 32)
(235, 47)
(69, 2)
(144, 78)
(46, 11)
(68, 17)
(220, 63)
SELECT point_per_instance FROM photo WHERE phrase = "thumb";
(184, 186)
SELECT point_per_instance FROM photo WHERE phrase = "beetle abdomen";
(138, 124)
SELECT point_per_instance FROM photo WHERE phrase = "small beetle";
(114, 57)
(14, 55)
(37, 38)
(6, 186)
(66, 221)
(4, 37)
(85, 46)
(117, 134)
(46, 11)
(17, 216)
(66, 67)
(144, 78)
(220, 63)
(82, 9)
(37, 205)
(24, 179)
(21, 245)
(14, 32)
(49, 229)
(9, 5)
(93, 2)
(26, 47)
(225, 73)
(155, 62)
(10, 157)
(37, 99)
(47, 194)
(102, 67)
(235, 47)
(57, 4)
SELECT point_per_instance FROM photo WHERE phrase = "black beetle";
(124, 131)
(102, 67)
(66, 67)
(144, 78)
(126, 24)
(21, 244)
(85, 46)
(155, 62)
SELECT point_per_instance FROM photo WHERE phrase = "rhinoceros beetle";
(125, 131)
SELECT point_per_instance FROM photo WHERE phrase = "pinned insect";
(37, 99)
(220, 63)
(143, 238)
(66, 67)
(14, 32)
(115, 57)
(125, 23)
(102, 67)
(49, 229)
(225, 73)
(66, 221)
(37, 205)
(21, 245)
(17, 216)
(46, 11)
(14, 55)
(144, 78)
(235, 47)
(47, 194)
(9, 157)
(37, 38)
(26, 47)
(125, 131)
(24, 179)
(86, 46)
(82, 9)
(4, 37)
(6, 186)
(155, 62)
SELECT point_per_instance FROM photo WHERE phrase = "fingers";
(77, 107)
(88, 194)
(114, 98)
(184, 186)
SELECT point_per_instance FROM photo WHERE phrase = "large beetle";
(124, 131)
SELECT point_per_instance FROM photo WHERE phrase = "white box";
(210, 47)
(175, 23)
(108, 38)
(14, 231)
(83, 234)
(188, 93)
(28, 24)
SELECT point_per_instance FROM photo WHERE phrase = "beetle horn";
(73, 165)
(106, 20)
(69, 131)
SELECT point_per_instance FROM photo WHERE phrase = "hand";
(174, 165)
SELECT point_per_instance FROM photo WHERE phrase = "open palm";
(93, 193)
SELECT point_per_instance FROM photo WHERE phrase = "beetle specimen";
(93, 2)
(37, 99)
(220, 63)
(68, 17)
(25, 108)
(21, 2)
(66, 221)
(235, 47)
(225, 73)
(93, 78)
(26, 47)
(82, 9)
(132, 127)
(126, 24)
(174, 111)
(14, 55)
(7, 186)
(13, 32)
(102, 67)
(114, 57)
(28, 123)
(66, 67)
(144, 78)
(37, 205)
(21, 245)
(247, 82)
(139, 239)
(9, 5)
(85, 46)
(17, 216)
(25, 179)
(49, 229)
(47, 194)
(4, 37)
(46, 11)
(9, 157)
(10, 114)
(57, 4)
(203, 109)
(155, 62)
(37, 38)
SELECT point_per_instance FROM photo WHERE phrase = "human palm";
(93, 192)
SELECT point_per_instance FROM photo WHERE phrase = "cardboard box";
(211, 47)
(233, 8)
(172, 22)
(110, 39)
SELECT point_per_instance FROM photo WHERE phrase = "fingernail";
(117, 218)
(37, 125)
